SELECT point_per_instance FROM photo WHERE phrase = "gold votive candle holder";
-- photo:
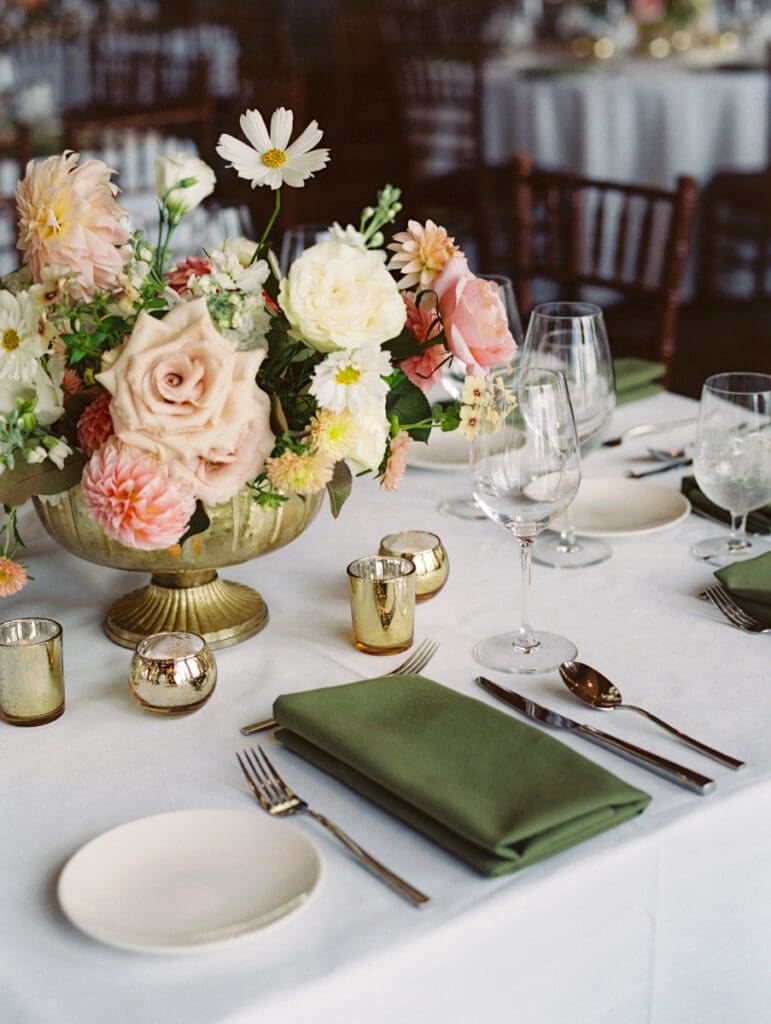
(427, 553)
(31, 671)
(172, 673)
(382, 591)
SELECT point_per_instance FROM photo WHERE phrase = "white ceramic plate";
(619, 507)
(444, 451)
(188, 880)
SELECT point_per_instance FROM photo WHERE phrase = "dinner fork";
(737, 616)
(275, 797)
(418, 660)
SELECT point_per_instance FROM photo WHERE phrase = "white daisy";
(351, 380)
(21, 343)
(270, 160)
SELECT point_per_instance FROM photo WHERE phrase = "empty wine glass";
(525, 471)
(454, 376)
(732, 459)
(571, 337)
(296, 240)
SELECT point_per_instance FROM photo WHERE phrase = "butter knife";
(646, 759)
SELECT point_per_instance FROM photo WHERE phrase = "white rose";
(182, 182)
(337, 296)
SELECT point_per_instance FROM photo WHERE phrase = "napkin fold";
(749, 583)
(758, 521)
(637, 378)
(498, 793)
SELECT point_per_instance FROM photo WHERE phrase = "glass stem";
(737, 540)
(526, 639)
(567, 543)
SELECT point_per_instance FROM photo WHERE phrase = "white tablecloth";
(664, 919)
(632, 121)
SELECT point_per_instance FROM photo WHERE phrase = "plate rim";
(224, 936)
(636, 485)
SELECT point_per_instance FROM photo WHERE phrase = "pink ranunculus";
(68, 217)
(422, 322)
(179, 277)
(474, 318)
(130, 495)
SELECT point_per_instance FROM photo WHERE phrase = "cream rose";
(183, 392)
(182, 182)
(337, 296)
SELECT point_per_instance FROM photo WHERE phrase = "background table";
(663, 919)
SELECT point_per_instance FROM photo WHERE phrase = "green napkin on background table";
(749, 583)
(637, 378)
(498, 793)
(758, 521)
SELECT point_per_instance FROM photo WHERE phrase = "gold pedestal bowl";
(185, 592)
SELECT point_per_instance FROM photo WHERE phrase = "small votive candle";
(426, 551)
(382, 591)
(31, 671)
(172, 673)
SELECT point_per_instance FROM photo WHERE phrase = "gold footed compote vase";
(185, 593)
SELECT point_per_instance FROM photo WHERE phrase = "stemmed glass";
(525, 471)
(296, 240)
(454, 376)
(732, 458)
(571, 337)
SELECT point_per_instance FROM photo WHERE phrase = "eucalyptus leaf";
(339, 487)
(19, 484)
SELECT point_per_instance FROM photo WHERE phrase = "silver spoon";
(665, 454)
(594, 689)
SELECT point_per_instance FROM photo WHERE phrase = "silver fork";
(737, 616)
(275, 797)
(418, 660)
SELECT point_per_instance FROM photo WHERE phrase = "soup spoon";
(594, 689)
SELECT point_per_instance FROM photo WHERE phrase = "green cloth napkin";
(749, 582)
(758, 521)
(636, 378)
(498, 793)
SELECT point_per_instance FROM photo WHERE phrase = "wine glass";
(453, 379)
(296, 240)
(571, 337)
(525, 471)
(732, 459)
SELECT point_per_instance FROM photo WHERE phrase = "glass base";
(504, 653)
(462, 506)
(717, 550)
(549, 549)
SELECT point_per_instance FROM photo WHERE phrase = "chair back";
(578, 232)
(9, 254)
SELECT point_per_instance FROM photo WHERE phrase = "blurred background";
(468, 106)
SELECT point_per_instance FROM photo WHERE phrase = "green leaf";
(339, 487)
(408, 403)
(199, 522)
(19, 484)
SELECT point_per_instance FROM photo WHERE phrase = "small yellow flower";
(308, 473)
(334, 432)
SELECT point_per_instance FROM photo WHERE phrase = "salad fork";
(417, 661)
(275, 797)
(736, 615)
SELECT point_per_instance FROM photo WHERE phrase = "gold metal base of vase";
(197, 601)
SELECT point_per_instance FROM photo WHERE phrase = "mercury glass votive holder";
(172, 673)
(427, 553)
(31, 671)
(382, 591)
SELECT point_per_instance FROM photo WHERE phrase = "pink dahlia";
(129, 494)
(179, 277)
(421, 253)
(397, 461)
(12, 577)
(95, 424)
(424, 323)
(68, 217)
(72, 383)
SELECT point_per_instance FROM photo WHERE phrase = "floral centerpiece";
(163, 391)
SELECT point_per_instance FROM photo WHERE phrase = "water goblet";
(571, 337)
(525, 471)
(296, 240)
(453, 379)
(732, 459)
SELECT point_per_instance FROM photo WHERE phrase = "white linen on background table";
(660, 921)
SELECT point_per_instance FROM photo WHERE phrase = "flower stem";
(268, 227)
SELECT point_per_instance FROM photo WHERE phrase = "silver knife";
(638, 474)
(668, 769)
(645, 428)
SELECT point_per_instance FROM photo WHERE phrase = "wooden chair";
(630, 239)
(9, 254)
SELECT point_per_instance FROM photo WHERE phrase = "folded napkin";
(749, 583)
(498, 793)
(758, 521)
(637, 378)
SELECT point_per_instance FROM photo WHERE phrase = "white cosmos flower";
(270, 160)
(21, 343)
(351, 380)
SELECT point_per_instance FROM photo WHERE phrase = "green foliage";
(19, 484)
(199, 523)
(409, 406)
(339, 487)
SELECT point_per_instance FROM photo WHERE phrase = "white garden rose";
(338, 296)
(371, 437)
(182, 182)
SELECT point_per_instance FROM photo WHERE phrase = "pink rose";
(182, 391)
(474, 318)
